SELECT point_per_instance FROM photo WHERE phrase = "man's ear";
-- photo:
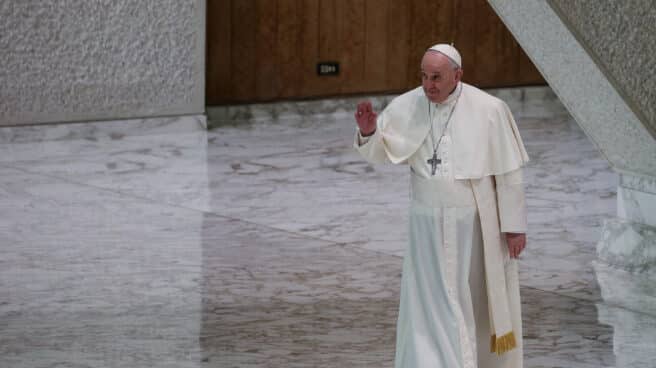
(459, 74)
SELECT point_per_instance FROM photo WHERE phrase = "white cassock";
(459, 303)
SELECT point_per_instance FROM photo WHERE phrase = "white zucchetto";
(449, 51)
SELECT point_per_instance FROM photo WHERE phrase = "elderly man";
(459, 302)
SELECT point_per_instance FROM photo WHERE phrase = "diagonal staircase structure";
(599, 57)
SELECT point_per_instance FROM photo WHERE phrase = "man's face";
(438, 78)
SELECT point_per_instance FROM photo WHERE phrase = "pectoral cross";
(434, 161)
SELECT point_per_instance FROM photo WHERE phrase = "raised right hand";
(366, 118)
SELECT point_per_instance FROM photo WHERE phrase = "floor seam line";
(120, 193)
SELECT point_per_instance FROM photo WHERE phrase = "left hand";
(516, 243)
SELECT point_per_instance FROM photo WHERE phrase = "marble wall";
(619, 35)
(75, 60)
(581, 85)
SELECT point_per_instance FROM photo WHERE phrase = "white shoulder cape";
(485, 139)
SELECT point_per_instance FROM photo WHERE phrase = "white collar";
(452, 97)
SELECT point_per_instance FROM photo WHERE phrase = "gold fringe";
(503, 344)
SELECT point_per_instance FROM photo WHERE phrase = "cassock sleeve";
(511, 201)
(371, 148)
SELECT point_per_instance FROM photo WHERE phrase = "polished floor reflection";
(272, 244)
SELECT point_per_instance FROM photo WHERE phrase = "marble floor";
(270, 243)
